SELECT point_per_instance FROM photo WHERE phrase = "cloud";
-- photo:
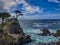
(6, 4)
(28, 9)
(32, 10)
(2, 7)
(56, 1)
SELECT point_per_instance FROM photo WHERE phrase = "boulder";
(46, 32)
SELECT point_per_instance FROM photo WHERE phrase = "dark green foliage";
(18, 13)
(4, 15)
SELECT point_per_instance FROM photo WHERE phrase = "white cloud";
(2, 7)
(56, 1)
(33, 9)
(7, 3)
(28, 8)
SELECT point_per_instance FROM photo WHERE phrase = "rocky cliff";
(13, 33)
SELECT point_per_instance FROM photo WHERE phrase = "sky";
(32, 9)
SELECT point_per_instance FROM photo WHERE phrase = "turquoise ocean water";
(33, 27)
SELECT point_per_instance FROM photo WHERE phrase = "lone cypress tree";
(18, 13)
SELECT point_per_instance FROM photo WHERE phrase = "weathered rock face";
(13, 26)
(13, 31)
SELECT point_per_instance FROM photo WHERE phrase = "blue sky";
(33, 9)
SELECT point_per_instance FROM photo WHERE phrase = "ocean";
(33, 27)
(40, 23)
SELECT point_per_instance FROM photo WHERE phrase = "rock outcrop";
(13, 33)
(57, 34)
(46, 32)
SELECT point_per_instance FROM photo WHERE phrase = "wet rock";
(28, 38)
(22, 40)
(41, 43)
(51, 43)
(46, 32)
